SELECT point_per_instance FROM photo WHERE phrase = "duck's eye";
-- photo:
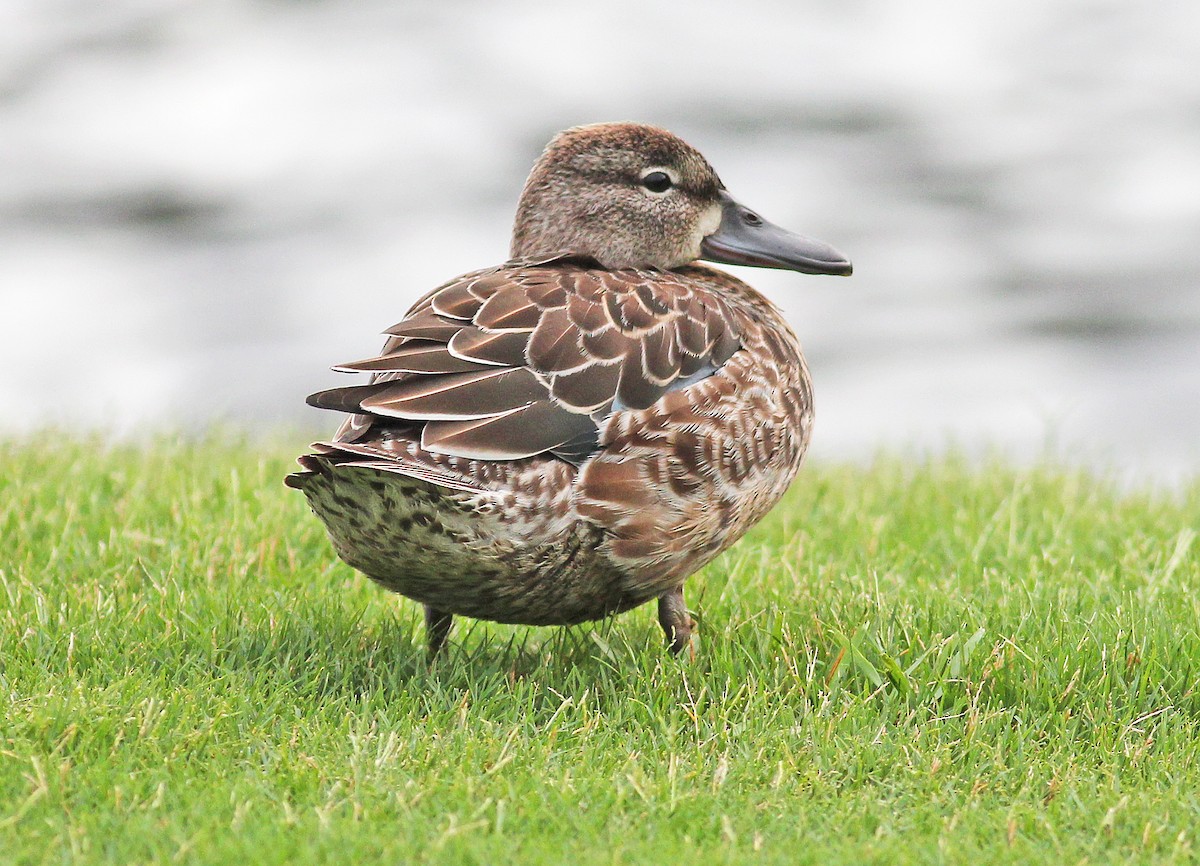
(657, 181)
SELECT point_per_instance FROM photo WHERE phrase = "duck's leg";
(437, 628)
(674, 619)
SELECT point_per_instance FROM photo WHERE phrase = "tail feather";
(328, 455)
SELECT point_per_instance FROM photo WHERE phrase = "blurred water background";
(204, 203)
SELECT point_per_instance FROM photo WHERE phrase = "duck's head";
(630, 195)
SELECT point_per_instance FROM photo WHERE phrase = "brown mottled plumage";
(572, 433)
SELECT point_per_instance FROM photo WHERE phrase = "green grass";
(936, 663)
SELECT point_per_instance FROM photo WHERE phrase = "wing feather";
(490, 347)
(417, 356)
(555, 346)
(587, 389)
(508, 309)
(456, 301)
(426, 327)
(524, 432)
(527, 358)
(457, 395)
(660, 354)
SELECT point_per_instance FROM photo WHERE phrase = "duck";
(573, 433)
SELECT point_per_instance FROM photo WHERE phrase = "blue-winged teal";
(572, 433)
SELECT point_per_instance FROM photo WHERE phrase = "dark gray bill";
(745, 238)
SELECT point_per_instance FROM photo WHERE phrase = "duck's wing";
(524, 360)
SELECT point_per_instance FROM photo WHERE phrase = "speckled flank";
(442, 549)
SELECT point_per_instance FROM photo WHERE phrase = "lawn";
(932, 662)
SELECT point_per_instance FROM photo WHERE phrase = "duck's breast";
(680, 481)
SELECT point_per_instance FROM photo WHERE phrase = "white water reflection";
(204, 204)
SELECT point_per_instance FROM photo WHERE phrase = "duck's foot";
(437, 629)
(675, 621)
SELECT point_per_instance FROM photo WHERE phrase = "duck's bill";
(745, 238)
